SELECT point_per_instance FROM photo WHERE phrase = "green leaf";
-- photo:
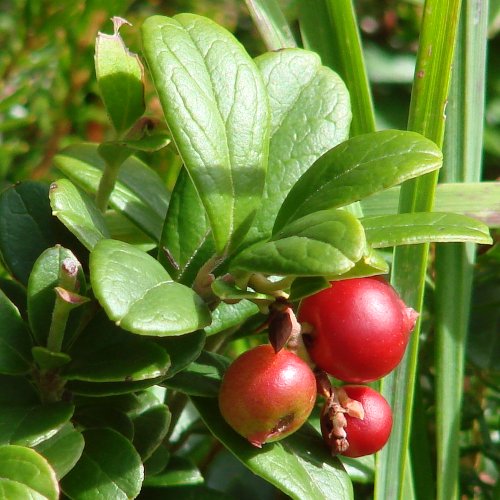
(139, 192)
(180, 472)
(358, 168)
(123, 229)
(182, 350)
(100, 389)
(303, 287)
(202, 377)
(226, 316)
(15, 340)
(28, 425)
(26, 474)
(186, 241)
(17, 391)
(77, 212)
(300, 465)
(108, 468)
(105, 353)
(62, 450)
(372, 263)
(49, 360)
(148, 143)
(138, 293)
(229, 291)
(150, 428)
(215, 105)
(102, 414)
(423, 227)
(120, 78)
(324, 243)
(46, 275)
(310, 114)
(26, 226)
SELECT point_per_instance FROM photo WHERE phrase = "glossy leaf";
(226, 316)
(26, 474)
(180, 472)
(139, 192)
(300, 465)
(28, 425)
(215, 105)
(310, 114)
(229, 291)
(423, 227)
(77, 212)
(46, 275)
(150, 428)
(202, 377)
(186, 241)
(108, 468)
(26, 227)
(120, 78)
(15, 340)
(358, 168)
(139, 295)
(323, 243)
(62, 450)
(105, 353)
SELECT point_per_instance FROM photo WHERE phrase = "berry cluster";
(355, 331)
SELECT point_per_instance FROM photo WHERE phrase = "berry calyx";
(359, 328)
(355, 433)
(266, 396)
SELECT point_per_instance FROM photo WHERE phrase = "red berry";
(360, 328)
(365, 436)
(266, 396)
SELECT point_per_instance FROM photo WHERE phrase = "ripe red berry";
(365, 436)
(266, 396)
(360, 328)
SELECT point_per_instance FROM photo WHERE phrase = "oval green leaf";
(423, 227)
(226, 316)
(150, 428)
(358, 168)
(324, 243)
(139, 192)
(99, 389)
(15, 340)
(108, 468)
(139, 295)
(63, 449)
(215, 105)
(77, 212)
(310, 114)
(26, 474)
(300, 465)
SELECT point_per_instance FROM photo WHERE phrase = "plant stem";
(60, 316)
(106, 185)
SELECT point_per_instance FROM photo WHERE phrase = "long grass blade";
(427, 108)
(271, 23)
(454, 263)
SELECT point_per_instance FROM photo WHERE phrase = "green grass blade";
(329, 27)
(271, 23)
(429, 96)
(454, 263)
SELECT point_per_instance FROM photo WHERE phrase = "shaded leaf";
(216, 108)
(180, 472)
(150, 428)
(138, 293)
(15, 340)
(358, 168)
(99, 474)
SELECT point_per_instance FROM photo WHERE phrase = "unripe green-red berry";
(266, 396)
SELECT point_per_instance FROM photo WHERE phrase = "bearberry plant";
(125, 294)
